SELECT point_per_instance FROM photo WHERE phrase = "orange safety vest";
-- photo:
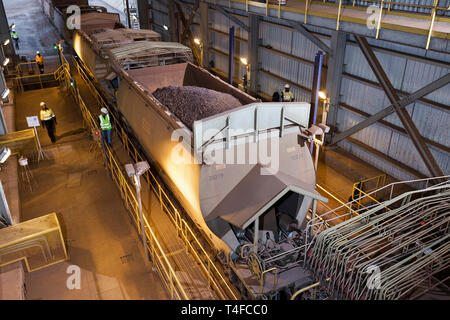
(39, 59)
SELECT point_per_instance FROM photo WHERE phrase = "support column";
(231, 56)
(253, 50)
(334, 76)
(204, 32)
(5, 34)
(172, 21)
(143, 13)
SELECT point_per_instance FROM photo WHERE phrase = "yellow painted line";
(332, 16)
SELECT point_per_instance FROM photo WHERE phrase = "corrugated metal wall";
(406, 74)
(285, 54)
(420, 6)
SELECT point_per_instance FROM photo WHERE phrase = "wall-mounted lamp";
(135, 171)
(5, 93)
(199, 43)
(5, 62)
(165, 27)
(322, 95)
(246, 77)
(4, 154)
(326, 105)
(6, 42)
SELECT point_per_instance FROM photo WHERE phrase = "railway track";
(196, 242)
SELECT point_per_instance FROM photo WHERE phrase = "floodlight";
(322, 95)
(4, 154)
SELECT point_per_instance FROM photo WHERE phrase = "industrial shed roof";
(149, 53)
(111, 38)
(93, 22)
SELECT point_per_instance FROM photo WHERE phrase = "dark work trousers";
(41, 67)
(16, 43)
(50, 125)
(106, 136)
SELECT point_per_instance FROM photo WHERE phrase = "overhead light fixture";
(5, 94)
(6, 42)
(244, 61)
(197, 41)
(322, 95)
(4, 154)
(5, 62)
(165, 27)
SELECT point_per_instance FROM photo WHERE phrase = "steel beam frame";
(253, 51)
(204, 33)
(300, 28)
(231, 17)
(402, 113)
(334, 75)
(190, 20)
(143, 13)
(433, 86)
(172, 20)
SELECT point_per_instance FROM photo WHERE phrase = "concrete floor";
(32, 26)
(98, 231)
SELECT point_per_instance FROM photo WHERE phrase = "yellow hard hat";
(42, 103)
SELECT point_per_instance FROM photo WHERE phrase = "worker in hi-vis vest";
(15, 38)
(40, 61)
(48, 120)
(286, 94)
(105, 125)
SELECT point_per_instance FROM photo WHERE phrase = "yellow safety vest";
(47, 114)
(105, 123)
(287, 96)
(39, 59)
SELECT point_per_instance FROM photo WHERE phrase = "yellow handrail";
(315, 285)
(159, 258)
(208, 267)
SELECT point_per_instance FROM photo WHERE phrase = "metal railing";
(38, 242)
(362, 188)
(388, 7)
(317, 225)
(157, 254)
(215, 279)
(35, 79)
(407, 245)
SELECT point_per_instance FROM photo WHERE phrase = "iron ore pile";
(190, 103)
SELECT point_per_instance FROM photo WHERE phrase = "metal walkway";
(189, 270)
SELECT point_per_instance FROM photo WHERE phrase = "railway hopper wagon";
(240, 168)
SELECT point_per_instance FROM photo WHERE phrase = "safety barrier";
(35, 79)
(407, 245)
(363, 188)
(388, 7)
(38, 242)
(317, 225)
(215, 279)
(157, 254)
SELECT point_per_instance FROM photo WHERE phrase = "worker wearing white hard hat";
(40, 61)
(286, 94)
(105, 125)
(48, 120)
